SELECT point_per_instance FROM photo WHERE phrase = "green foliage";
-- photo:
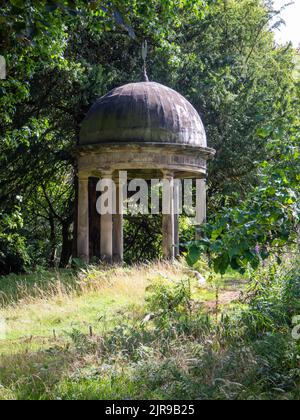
(62, 55)
(181, 352)
(229, 68)
(13, 251)
(59, 59)
(171, 304)
(277, 294)
(267, 220)
(142, 238)
(248, 354)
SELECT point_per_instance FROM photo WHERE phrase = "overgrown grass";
(146, 333)
(46, 304)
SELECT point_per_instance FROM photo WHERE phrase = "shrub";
(13, 253)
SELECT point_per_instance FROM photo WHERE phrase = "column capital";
(116, 177)
(107, 173)
(83, 175)
(167, 174)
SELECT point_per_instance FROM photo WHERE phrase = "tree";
(221, 55)
(13, 250)
(229, 67)
(50, 86)
(267, 221)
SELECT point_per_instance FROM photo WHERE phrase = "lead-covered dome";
(145, 112)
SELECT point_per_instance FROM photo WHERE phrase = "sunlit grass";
(47, 312)
(45, 307)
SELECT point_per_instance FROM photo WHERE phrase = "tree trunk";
(75, 221)
(52, 241)
(67, 245)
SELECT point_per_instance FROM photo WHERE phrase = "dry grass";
(42, 311)
(97, 298)
(127, 281)
(181, 354)
(64, 285)
(50, 352)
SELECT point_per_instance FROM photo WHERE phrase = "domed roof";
(145, 112)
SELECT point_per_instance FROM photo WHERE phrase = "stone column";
(83, 217)
(200, 205)
(106, 236)
(118, 241)
(168, 216)
(176, 236)
(177, 197)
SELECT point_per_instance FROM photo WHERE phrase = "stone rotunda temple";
(150, 131)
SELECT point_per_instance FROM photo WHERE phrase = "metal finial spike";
(144, 50)
(144, 56)
(145, 76)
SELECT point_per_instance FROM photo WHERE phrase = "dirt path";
(225, 298)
